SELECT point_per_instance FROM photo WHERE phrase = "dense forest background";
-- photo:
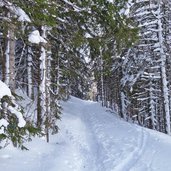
(116, 52)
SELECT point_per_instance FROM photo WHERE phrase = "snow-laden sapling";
(13, 126)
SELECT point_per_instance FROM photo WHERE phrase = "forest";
(114, 52)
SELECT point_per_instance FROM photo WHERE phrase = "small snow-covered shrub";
(13, 126)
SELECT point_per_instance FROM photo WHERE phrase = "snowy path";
(92, 139)
(113, 156)
(108, 143)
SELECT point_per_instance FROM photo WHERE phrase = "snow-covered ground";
(91, 139)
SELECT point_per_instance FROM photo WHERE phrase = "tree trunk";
(29, 72)
(10, 58)
(163, 74)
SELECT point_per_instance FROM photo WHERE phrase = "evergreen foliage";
(44, 45)
(115, 52)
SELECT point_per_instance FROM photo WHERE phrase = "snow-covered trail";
(92, 139)
(107, 143)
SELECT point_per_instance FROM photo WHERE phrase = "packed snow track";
(92, 139)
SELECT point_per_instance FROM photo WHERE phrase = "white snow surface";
(4, 90)
(111, 1)
(3, 124)
(21, 121)
(92, 139)
(34, 37)
(22, 16)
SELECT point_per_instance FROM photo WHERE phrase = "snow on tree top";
(35, 37)
(3, 123)
(22, 15)
(4, 90)
(21, 121)
(110, 1)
